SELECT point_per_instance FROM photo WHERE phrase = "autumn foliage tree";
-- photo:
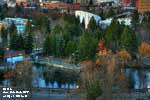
(144, 49)
(101, 48)
(124, 55)
(111, 77)
(90, 80)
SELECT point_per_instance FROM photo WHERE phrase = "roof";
(12, 53)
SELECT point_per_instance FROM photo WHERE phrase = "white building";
(86, 16)
(19, 22)
(105, 23)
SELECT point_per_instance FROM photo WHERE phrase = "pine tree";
(47, 45)
(113, 34)
(28, 44)
(92, 24)
(128, 40)
(70, 47)
(87, 46)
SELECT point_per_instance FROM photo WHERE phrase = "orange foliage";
(98, 62)
(101, 48)
(124, 55)
(144, 49)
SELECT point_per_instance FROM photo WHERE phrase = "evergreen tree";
(18, 8)
(71, 32)
(17, 42)
(87, 46)
(128, 40)
(83, 23)
(70, 47)
(4, 12)
(28, 44)
(12, 29)
(1, 54)
(53, 44)
(135, 18)
(57, 29)
(92, 24)
(113, 34)
(4, 34)
(47, 45)
(60, 45)
(110, 13)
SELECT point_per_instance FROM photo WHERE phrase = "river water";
(50, 77)
(138, 78)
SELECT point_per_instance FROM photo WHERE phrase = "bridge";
(51, 61)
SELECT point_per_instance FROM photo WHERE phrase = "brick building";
(143, 6)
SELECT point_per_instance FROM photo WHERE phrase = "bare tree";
(23, 75)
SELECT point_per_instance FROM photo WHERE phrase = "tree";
(87, 46)
(4, 35)
(60, 45)
(28, 46)
(1, 54)
(47, 45)
(28, 27)
(128, 40)
(92, 24)
(110, 13)
(4, 12)
(46, 25)
(12, 29)
(57, 29)
(112, 78)
(83, 23)
(70, 48)
(52, 44)
(90, 80)
(101, 48)
(71, 19)
(124, 55)
(71, 32)
(144, 49)
(18, 8)
(113, 34)
(23, 75)
(135, 18)
(17, 42)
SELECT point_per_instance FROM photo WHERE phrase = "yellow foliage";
(144, 49)
(124, 55)
(98, 62)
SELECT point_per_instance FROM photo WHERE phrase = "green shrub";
(93, 91)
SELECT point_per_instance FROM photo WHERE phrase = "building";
(86, 16)
(10, 3)
(12, 57)
(132, 3)
(143, 6)
(61, 5)
(19, 22)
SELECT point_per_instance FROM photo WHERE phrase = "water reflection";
(50, 77)
(138, 78)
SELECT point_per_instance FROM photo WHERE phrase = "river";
(138, 78)
(50, 77)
